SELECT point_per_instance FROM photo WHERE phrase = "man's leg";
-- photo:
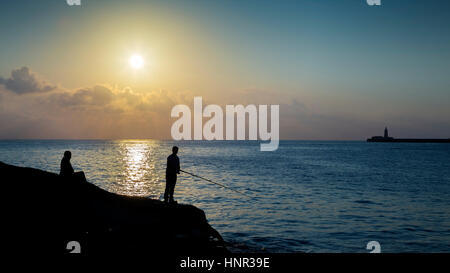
(167, 190)
(172, 187)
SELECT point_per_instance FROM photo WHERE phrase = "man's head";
(174, 150)
(67, 154)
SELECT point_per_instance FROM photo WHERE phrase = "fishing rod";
(222, 185)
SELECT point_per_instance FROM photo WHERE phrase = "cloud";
(23, 81)
(111, 112)
(100, 111)
(96, 96)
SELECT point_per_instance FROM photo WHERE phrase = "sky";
(339, 69)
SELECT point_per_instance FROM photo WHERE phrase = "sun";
(136, 61)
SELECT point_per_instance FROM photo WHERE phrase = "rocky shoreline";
(43, 212)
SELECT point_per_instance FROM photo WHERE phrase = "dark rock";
(43, 212)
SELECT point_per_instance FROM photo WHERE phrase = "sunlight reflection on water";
(141, 175)
(137, 166)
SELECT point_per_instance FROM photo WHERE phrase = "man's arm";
(178, 165)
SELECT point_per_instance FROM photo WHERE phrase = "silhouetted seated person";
(67, 170)
(173, 168)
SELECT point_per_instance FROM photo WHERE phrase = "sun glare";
(136, 61)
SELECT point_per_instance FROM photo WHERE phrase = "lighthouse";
(386, 134)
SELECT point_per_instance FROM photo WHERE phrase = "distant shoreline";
(410, 140)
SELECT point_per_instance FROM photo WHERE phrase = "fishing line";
(215, 183)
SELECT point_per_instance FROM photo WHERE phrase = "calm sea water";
(308, 196)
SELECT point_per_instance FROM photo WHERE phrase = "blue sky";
(345, 62)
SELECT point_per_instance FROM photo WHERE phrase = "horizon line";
(155, 139)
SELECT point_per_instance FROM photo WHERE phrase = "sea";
(308, 196)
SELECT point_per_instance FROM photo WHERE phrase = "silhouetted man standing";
(173, 168)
